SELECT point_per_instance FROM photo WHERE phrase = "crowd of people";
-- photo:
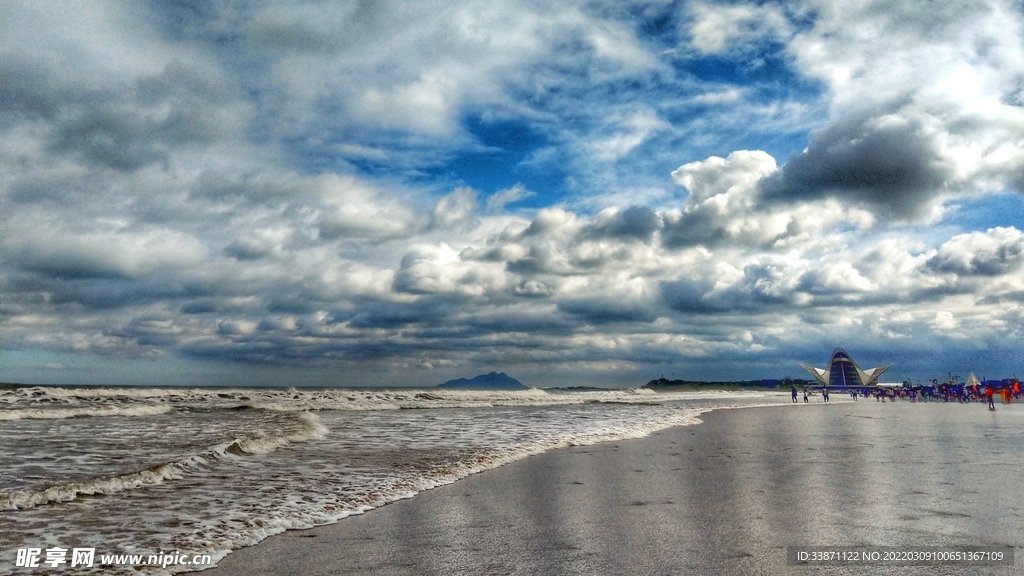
(1007, 391)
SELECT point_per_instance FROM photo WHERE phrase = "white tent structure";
(842, 370)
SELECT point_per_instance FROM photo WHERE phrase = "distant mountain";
(492, 381)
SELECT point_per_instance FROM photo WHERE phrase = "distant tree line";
(764, 383)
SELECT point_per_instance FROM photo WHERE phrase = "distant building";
(841, 370)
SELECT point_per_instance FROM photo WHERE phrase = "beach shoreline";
(726, 496)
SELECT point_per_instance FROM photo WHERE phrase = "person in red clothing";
(988, 395)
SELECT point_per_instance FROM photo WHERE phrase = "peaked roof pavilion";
(842, 370)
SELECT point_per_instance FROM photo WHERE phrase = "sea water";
(207, 471)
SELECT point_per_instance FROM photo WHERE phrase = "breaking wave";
(55, 402)
(310, 428)
(60, 413)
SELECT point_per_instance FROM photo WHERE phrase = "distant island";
(663, 383)
(492, 381)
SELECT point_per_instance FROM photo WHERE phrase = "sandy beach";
(723, 497)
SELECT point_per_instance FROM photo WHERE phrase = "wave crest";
(311, 428)
(61, 413)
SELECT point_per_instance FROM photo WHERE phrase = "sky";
(376, 193)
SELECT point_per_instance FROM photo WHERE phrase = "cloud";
(718, 189)
(995, 252)
(922, 104)
(27, 89)
(767, 281)
(352, 208)
(499, 200)
(718, 29)
(602, 310)
(140, 123)
(236, 327)
(639, 222)
(726, 206)
(439, 269)
(886, 162)
(715, 176)
(835, 278)
(624, 132)
(456, 210)
(110, 254)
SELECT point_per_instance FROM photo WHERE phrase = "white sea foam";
(61, 413)
(300, 400)
(265, 444)
(310, 428)
(19, 500)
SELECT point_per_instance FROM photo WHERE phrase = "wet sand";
(723, 497)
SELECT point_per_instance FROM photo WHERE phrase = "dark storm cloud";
(119, 140)
(60, 189)
(380, 314)
(1005, 259)
(28, 89)
(886, 162)
(605, 310)
(139, 124)
(248, 250)
(218, 305)
(122, 126)
(215, 21)
(639, 222)
(687, 296)
(150, 331)
(101, 293)
(1012, 297)
(78, 265)
(702, 226)
(539, 321)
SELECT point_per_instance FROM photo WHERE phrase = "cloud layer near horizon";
(599, 191)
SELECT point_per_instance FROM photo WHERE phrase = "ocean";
(181, 473)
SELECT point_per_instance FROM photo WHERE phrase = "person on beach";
(824, 394)
(793, 389)
(988, 395)
(805, 396)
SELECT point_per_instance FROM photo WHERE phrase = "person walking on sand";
(988, 395)
(793, 389)
(805, 396)
(824, 394)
